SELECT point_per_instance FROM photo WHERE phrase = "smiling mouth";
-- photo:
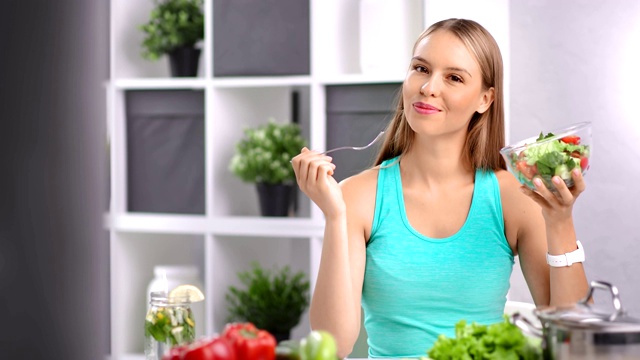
(425, 109)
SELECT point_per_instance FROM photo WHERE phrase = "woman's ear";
(486, 100)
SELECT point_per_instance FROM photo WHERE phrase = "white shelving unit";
(230, 234)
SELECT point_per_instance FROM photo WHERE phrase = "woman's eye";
(420, 68)
(456, 78)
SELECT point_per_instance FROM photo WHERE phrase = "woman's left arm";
(544, 225)
(568, 284)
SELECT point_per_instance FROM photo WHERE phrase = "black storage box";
(355, 115)
(165, 151)
(261, 37)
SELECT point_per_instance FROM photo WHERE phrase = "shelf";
(127, 357)
(361, 79)
(261, 81)
(229, 233)
(268, 227)
(155, 223)
(252, 82)
(133, 259)
(227, 226)
(160, 83)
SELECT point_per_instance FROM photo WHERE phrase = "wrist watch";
(567, 259)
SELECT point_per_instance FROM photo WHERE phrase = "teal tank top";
(417, 287)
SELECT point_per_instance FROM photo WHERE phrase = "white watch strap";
(567, 259)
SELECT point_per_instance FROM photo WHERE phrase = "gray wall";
(575, 61)
(54, 251)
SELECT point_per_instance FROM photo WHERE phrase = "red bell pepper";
(249, 342)
(215, 348)
(176, 353)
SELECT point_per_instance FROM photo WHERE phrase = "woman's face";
(443, 87)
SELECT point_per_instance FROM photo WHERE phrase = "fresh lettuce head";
(501, 340)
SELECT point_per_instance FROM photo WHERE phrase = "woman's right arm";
(335, 306)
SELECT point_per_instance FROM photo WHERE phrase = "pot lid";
(584, 316)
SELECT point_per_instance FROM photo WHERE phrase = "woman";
(428, 236)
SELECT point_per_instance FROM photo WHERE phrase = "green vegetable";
(542, 136)
(500, 341)
(318, 345)
(553, 155)
(288, 350)
(546, 158)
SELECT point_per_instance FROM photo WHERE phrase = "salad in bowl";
(555, 153)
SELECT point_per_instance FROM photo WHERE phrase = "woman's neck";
(436, 162)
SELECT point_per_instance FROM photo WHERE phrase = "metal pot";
(579, 332)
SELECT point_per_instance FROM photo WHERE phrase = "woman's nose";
(430, 87)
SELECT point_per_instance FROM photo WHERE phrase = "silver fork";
(378, 137)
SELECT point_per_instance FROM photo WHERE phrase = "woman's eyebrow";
(450, 68)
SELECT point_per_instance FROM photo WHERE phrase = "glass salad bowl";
(554, 153)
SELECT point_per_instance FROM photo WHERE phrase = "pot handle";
(525, 325)
(615, 297)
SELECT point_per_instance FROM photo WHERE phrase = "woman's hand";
(557, 206)
(314, 174)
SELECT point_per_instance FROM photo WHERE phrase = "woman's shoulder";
(362, 183)
(507, 181)
(510, 192)
(519, 210)
(359, 193)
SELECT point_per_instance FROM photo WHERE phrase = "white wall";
(575, 61)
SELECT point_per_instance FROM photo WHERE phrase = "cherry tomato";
(571, 139)
(529, 171)
(584, 163)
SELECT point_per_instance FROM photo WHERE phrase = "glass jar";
(169, 322)
(167, 277)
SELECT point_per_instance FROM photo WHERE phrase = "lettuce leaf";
(496, 341)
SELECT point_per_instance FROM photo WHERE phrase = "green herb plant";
(500, 341)
(273, 300)
(172, 24)
(264, 154)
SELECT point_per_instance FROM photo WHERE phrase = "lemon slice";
(189, 291)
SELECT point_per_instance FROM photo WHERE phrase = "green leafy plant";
(272, 300)
(264, 154)
(172, 24)
(502, 340)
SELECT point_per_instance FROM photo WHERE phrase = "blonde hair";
(485, 134)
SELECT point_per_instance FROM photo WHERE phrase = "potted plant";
(263, 157)
(272, 300)
(174, 28)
